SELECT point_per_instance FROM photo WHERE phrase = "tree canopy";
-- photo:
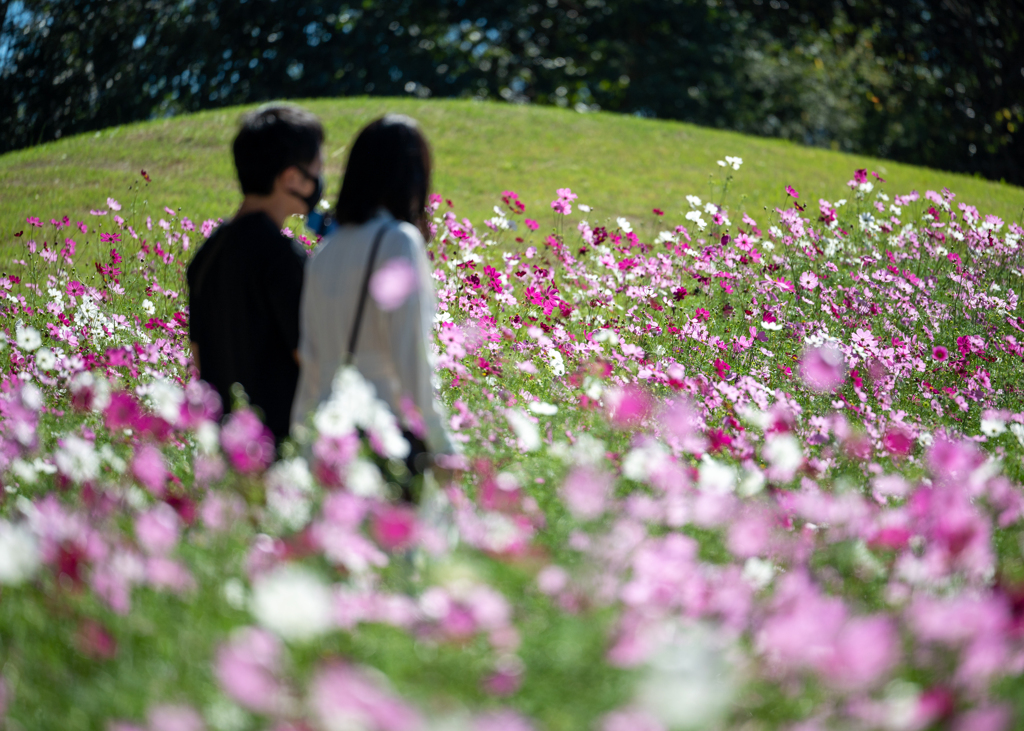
(936, 82)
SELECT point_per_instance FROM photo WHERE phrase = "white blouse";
(393, 350)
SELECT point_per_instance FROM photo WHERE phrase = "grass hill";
(620, 165)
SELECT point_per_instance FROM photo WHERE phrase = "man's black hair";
(272, 139)
(389, 166)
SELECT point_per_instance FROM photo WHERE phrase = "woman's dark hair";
(389, 166)
(272, 139)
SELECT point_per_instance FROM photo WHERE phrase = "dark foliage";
(938, 82)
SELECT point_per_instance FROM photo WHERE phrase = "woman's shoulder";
(402, 239)
(355, 240)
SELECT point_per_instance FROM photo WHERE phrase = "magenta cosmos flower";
(823, 368)
(940, 353)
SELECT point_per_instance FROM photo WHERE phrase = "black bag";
(419, 459)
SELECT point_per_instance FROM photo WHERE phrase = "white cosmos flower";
(752, 483)
(588, 450)
(77, 459)
(758, 573)
(108, 455)
(289, 492)
(208, 437)
(694, 201)
(354, 403)
(716, 477)
(543, 408)
(1018, 431)
(28, 338)
(625, 225)
(148, 307)
(292, 602)
(555, 362)
(19, 553)
(640, 462)
(166, 399)
(690, 682)
(99, 386)
(735, 162)
(234, 593)
(24, 472)
(525, 430)
(45, 359)
(992, 427)
(363, 478)
(31, 397)
(584, 207)
(784, 455)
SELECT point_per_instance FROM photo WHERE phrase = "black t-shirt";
(245, 285)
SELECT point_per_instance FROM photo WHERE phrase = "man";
(245, 282)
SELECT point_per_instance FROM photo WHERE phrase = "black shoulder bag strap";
(363, 291)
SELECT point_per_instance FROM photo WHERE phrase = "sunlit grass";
(620, 165)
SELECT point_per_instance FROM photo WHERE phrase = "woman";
(381, 225)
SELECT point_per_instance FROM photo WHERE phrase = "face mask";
(313, 198)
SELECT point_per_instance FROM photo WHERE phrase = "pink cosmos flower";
(791, 191)
(939, 353)
(149, 469)
(990, 718)
(531, 224)
(552, 580)
(246, 668)
(165, 573)
(503, 683)
(75, 288)
(122, 411)
(866, 650)
(682, 421)
(392, 284)
(331, 455)
(394, 527)
(157, 529)
(562, 206)
(823, 368)
(248, 444)
(586, 492)
(630, 719)
(627, 406)
(898, 441)
(341, 691)
(175, 718)
(113, 204)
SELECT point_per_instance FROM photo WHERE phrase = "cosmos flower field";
(721, 469)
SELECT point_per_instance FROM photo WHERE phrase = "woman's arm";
(409, 333)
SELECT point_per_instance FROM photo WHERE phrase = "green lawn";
(621, 165)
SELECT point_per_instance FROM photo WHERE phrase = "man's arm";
(195, 352)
